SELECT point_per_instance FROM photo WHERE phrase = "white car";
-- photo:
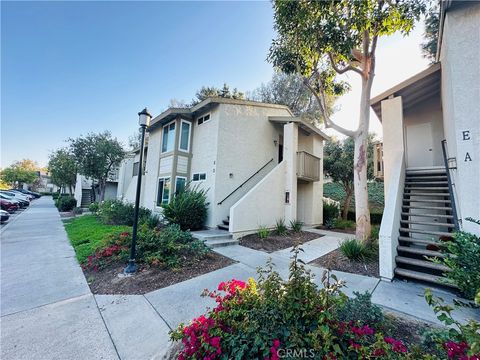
(16, 195)
(28, 196)
(4, 216)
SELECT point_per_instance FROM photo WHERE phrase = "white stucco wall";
(245, 144)
(461, 105)
(263, 205)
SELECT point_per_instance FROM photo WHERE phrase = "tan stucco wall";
(460, 58)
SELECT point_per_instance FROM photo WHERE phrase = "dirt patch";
(276, 242)
(335, 260)
(106, 281)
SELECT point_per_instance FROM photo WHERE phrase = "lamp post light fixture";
(144, 121)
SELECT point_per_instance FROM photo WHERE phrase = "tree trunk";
(101, 186)
(346, 202)
(70, 188)
(362, 211)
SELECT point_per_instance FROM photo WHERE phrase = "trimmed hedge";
(66, 203)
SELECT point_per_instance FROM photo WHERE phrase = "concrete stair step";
(223, 226)
(226, 222)
(215, 243)
(426, 177)
(212, 234)
(419, 251)
(436, 188)
(416, 275)
(442, 194)
(428, 215)
(427, 232)
(433, 223)
(422, 263)
(419, 241)
(425, 171)
(427, 201)
(425, 183)
(427, 207)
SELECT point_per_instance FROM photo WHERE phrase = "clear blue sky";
(73, 67)
(69, 68)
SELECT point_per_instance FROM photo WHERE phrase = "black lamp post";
(143, 120)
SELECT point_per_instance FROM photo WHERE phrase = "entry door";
(419, 145)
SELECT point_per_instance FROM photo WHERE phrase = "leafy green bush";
(375, 216)
(168, 246)
(94, 207)
(354, 249)
(374, 236)
(66, 203)
(344, 224)
(296, 225)
(362, 310)
(463, 256)
(77, 210)
(151, 221)
(116, 212)
(263, 232)
(188, 208)
(330, 213)
(280, 227)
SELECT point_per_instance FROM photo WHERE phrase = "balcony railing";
(308, 166)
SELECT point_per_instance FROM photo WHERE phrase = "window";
(163, 191)
(180, 182)
(168, 139)
(199, 176)
(184, 136)
(203, 119)
(136, 167)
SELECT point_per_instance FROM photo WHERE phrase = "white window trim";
(163, 130)
(180, 135)
(199, 173)
(158, 188)
(204, 121)
(180, 177)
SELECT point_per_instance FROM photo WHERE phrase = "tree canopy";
(212, 91)
(20, 172)
(431, 22)
(96, 155)
(62, 168)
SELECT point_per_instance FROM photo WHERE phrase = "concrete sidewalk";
(47, 309)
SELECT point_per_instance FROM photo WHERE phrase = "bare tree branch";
(345, 69)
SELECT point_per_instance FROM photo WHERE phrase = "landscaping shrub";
(344, 224)
(362, 310)
(77, 210)
(375, 217)
(116, 249)
(330, 213)
(296, 225)
(280, 227)
(66, 203)
(188, 208)
(272, 318)
(168, 246)
(462, 255)
(94, 207)
(354, 249)
(116, 212)
(263, 232)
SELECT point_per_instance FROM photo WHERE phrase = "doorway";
(419, 145)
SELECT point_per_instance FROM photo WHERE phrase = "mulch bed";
(148, 278)
(276, 242)
(335, 260)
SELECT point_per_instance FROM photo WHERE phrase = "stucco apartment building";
(431, 150)
(258, 162)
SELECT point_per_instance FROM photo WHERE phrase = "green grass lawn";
(87, 234)
(375, 195)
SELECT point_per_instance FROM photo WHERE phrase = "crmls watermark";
(296, 353)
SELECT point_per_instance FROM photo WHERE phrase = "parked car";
(21, 203)
(28, 192)
(27, 196)
(10, 206)
(4, 216)
(15, 195)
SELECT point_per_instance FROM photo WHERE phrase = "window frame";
(164, 178)
(180, 135)
(202, 118)
(163, 136)
(184, 185)
(137, 164)
(199, 176)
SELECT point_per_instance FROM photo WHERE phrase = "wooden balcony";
(308, 166)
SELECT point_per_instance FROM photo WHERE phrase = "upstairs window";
(199, 177)
(203, 119)
(136, 167)
(184, 136)
(168, 140)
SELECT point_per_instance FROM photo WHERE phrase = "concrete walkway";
(48, 311)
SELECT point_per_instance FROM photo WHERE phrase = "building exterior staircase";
(427, 222)
(86, 198)
(225, 224)
(215, 238)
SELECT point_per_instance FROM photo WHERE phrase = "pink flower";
(276, 343)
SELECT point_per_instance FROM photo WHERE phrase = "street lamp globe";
(144, 117)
